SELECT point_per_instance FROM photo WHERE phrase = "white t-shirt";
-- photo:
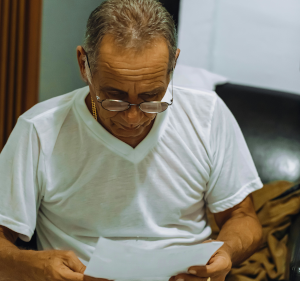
(62, 173)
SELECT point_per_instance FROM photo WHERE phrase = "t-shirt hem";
(237, 198)
(25, 233)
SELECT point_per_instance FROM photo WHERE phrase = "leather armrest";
(293, 257)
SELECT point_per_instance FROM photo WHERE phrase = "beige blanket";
(269, 262)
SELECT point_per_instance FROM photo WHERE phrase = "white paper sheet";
(114, 260)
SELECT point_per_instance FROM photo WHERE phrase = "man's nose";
(133, 115)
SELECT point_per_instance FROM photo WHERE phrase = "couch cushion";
(275, 214)
(270, 122)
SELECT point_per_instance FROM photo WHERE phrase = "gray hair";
(134, 24)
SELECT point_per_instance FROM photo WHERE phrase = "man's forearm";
(242, 235)
(14, 263)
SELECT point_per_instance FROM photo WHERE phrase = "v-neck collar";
(119, 147)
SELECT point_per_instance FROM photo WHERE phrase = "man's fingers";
(217, 266)
(73, 276)
(205, 271)
(74, 263)
(89, 278)
(200, 271)
(219, 263)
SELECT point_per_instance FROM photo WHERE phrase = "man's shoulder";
(195, 94)
(48, 117)
(199, 103)
(52, 107)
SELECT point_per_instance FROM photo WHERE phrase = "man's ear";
(176, 56)
(81, 57)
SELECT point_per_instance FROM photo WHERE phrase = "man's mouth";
(128, 128)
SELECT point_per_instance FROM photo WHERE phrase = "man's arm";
(8, 255)
(52, 265)
(11, 257)
(240, 230)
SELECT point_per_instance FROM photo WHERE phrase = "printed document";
(117, 261)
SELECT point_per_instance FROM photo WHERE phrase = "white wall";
(63, 29)
(255, 43)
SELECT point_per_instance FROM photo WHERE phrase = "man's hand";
(55, 265)
(241, 232)
(217, 268)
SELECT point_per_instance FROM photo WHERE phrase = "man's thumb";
(82, 270)
(79, 267)
(75, 264)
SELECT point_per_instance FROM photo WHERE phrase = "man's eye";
(148, 96)
(114, 94)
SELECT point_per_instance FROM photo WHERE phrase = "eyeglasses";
(147, 106)
(120, 105)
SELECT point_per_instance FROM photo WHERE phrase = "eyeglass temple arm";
(172, 86)
(87, 58)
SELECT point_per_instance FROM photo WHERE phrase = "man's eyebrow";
(112, 89)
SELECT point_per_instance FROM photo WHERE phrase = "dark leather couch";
(270, 122)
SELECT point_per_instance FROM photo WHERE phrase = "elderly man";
(128, 157)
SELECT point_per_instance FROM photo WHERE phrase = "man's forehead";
(113, 56)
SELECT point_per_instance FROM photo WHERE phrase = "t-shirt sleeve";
(20, 166)
(233, 174)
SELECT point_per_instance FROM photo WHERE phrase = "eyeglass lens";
(115, 105)
(152, 107)
(148, 107)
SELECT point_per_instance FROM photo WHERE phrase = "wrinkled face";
(124, 75)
